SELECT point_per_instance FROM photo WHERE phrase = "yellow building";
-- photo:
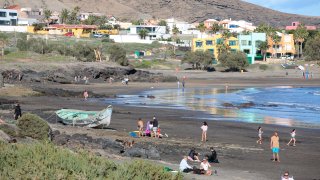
(284, 48)
(212, 44)
(68, 30)
(107, 31)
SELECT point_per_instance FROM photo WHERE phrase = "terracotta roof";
(13, 7)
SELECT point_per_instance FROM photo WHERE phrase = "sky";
(303, 7)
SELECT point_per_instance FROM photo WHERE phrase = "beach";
(235, 142)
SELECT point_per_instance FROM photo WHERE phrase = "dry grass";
(16, 91)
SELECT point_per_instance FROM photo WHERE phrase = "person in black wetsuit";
(17, 111)
(193, 156)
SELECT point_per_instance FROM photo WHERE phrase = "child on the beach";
(85, 94)
(204, 128)
(260, 135)
(293, 137)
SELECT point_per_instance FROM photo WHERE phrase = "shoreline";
(239, 155)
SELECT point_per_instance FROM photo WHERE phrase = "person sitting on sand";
(140, 127)
(193, 155)
(204, 166)
(293, 137)
(148, 130)
(212, 158)
(184, 166)
(286, 176)
(204, 128)
(260, 135)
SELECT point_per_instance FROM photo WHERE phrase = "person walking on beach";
(275, 147)
(155, 126)
(140, 127)
(260, 135)
(85, 95)
(204, 128)
(17, 111)
(293, 137)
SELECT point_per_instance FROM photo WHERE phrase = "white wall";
(13, 28)
(130, 39)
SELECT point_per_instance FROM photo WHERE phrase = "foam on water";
(283, 105)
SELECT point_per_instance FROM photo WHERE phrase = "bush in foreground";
(33, 126)
(45, 161)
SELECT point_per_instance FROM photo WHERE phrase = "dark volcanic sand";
(240, 156)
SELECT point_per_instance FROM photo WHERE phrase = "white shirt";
(293, 134)
(205, 166)
(184, 165)
(204, 128)
(289, 178)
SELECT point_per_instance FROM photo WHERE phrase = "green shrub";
(263, 67)
(144, 64)
(9, 129)
(45, 161)
(140, 169)
(118, 54)
(33, 126)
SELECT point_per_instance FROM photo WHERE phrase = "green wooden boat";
(94, 119)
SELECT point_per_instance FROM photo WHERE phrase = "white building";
(85, 16)
(8, 17)
(181, 25)
(237, 26)
(154, 32)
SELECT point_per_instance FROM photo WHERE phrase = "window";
(211, 51)
(232, 43)
(244, 42)
(4, 22)
(220, 41)
(3, 14)
(198, 44)
(250, 43)
(13, 14)
(233, 50)
(209, 43)
(247, 51)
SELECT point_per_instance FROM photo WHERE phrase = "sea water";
(283, 105)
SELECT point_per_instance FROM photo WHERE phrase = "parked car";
(69, 34)
(100, 35)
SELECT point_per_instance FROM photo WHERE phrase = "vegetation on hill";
(45, 161)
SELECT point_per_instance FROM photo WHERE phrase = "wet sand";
(240, 156)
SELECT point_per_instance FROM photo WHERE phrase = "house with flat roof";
(295, 25)
(213, 43)
(285, 47)
(249, 44)
(8, 17)
(154, 32)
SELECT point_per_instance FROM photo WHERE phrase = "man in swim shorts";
(274, 145)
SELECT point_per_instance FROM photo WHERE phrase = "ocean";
(282, 105)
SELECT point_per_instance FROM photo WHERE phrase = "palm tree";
(3, 41)
(215, 28)
(64, 16)
(300, 34)
(202, 28)
(143, 33)
(47, 15)
(275, 38)
(263, 46)
(175, 32)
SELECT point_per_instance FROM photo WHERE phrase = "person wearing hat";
(204, 166)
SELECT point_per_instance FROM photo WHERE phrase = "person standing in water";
(260, 135)
(274, 145)
(293, 137)
(204, 128)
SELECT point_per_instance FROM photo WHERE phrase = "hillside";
(188, 10)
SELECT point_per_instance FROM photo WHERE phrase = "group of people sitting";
(204, 164)
(152, 128)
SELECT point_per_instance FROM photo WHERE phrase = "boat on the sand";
(93, 119)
